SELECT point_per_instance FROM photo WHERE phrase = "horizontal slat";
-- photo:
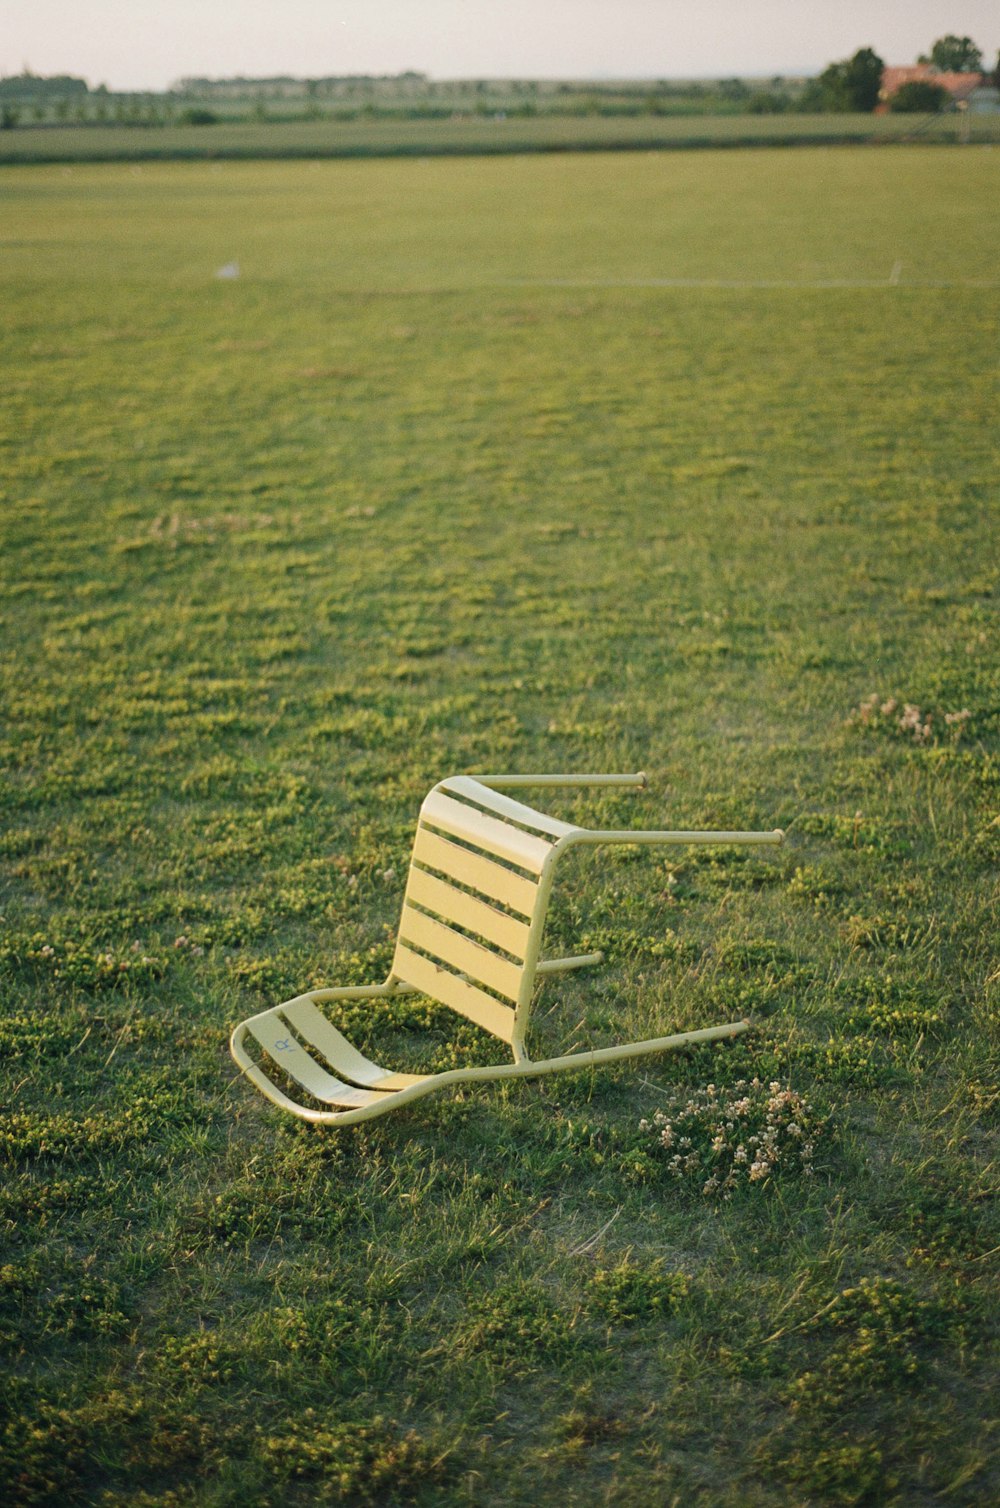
(291, 1057)
(460, 907)
(476, 870)
(342, 1055)
(485, 832)
(457, 993)
(464, 955)
(505, 806)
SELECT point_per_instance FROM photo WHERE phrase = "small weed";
(629, 1294)
(201, 1359)
(73, 963)
(722, 1139)
(905, 719)
(878, 931)
(860, 831)
(45, 1453)
(948, 1223)
(985, 847)
(842, 1469)
(880, 1325)
(585, 1426)
(746, 957)
(811, 884)
(517, 1327)
(370, 1461)
(879, 1003)
(861, 1062)
(30, 1135)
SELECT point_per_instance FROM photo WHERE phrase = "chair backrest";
(475, 902)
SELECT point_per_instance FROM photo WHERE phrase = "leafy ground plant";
(720, 1139)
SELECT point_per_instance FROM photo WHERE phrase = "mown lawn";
(652, 462)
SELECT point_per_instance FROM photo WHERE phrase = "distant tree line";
(851, 85)
(29, 86)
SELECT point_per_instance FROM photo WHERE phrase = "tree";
(864, 79)
(919, 97)
(766, 102)
(955, 55)
(851, 85)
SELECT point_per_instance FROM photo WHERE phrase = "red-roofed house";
(958, 85)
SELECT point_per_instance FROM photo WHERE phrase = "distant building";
(961, 86)
(287, 87)
(985, 100)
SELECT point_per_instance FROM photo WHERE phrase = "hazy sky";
(148, 44)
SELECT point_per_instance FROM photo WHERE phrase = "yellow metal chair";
(476, 897)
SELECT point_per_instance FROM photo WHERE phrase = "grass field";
(493, 136)
(670, 462)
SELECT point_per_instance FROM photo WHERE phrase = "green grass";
(282, 550)
(472, 134)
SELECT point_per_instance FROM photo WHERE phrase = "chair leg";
(560, 965)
